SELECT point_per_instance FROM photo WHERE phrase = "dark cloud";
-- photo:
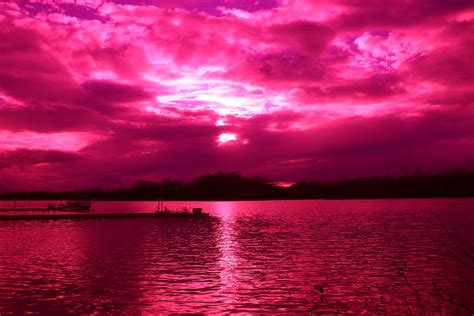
(212, 7)
(115, 92)
(307, 36)
(450, 65)
(374, 87)
(44, 118)
(286, 66)
(394, 13)
(26, 157)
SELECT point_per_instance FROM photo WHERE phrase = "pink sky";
(96, 93)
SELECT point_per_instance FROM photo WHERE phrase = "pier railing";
(15, 205)
(33, 205)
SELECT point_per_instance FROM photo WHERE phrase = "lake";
(354, 256)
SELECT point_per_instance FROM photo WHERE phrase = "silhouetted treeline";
(232, 186)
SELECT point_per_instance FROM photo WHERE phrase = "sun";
(226, 137)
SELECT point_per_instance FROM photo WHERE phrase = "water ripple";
(356, 257)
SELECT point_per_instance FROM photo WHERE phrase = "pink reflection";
(227, 244)
(257, 257)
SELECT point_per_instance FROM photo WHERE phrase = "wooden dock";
(84, 216)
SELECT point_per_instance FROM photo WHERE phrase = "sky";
(100, 93)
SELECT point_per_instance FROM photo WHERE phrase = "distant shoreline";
(233, 187)
(277, 200)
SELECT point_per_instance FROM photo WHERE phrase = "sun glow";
(226, 137)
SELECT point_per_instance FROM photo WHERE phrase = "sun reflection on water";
(227, 245)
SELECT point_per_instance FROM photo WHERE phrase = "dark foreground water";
(367, 256)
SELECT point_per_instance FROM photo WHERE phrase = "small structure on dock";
(72, 206)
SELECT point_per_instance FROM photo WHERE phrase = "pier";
(38, 206)
(82, 210)
(23, 206)
(84, 216)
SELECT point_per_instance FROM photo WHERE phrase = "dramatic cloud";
(103, 93)
(26, 157)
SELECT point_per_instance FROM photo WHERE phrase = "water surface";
(355, 256)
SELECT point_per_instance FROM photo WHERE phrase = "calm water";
(372, 256)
